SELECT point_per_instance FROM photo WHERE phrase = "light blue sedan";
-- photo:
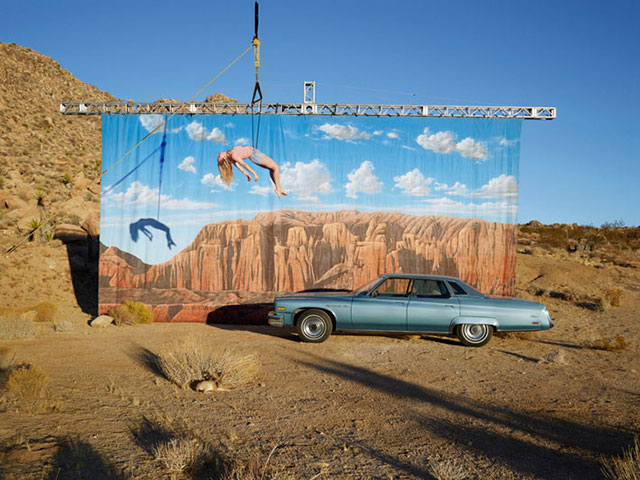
(400, 303)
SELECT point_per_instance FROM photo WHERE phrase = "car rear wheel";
(314, 326)
(474, 335)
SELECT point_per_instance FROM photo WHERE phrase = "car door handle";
(450, 306)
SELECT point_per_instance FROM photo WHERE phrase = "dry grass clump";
(7, 358)
(131, 313)
(46, 311)
(618, 344)
(625, 467)
(190, 361)
(16, 327)
(180, 454)
(613, 296)
(63, 326)
(446, 470)
(30, 385)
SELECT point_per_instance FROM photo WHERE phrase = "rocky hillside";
(47, 160)
(294, 250)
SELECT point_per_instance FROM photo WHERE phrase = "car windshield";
(365, 288)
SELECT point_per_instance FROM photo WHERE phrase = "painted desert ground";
(83, 402)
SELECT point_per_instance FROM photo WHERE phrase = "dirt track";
(354, 407)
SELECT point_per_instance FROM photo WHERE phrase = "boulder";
(68, 233)
(101, 321)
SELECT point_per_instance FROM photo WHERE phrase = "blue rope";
(108, 189)
(163, 146)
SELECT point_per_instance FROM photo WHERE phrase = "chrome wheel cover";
(475, 333)
(314, 326)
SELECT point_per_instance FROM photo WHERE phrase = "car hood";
(320, 294)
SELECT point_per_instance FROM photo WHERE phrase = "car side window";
(393, 287)
(457, 289)
(430, 289)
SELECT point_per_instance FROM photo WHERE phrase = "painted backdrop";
(365, 195)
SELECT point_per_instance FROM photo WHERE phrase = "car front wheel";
(314, 326)
(474, 335)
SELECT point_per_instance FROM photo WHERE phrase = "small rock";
(101, 321)
(206, 386)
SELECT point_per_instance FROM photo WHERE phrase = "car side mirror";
(374, 294)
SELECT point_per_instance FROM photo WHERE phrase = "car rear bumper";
(275, 319)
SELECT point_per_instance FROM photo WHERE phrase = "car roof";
(419, 276)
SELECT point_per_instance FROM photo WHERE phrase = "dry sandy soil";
(357, 406)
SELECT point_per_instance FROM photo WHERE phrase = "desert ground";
(549, 405)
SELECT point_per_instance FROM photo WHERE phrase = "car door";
(431, 307)
(384, 309)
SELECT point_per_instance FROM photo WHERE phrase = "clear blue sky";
(579, 56)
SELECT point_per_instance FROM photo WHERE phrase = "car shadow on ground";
(532, 443)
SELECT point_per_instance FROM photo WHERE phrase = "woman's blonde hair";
(226, 170)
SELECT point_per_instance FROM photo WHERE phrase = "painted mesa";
(246, 262)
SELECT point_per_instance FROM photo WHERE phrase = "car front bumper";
(276, 319)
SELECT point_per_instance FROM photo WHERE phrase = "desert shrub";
(180, 454)
(131, 313)
(618, 344)
(30, 385)
(625, 467)
(613, 296)
(39, 196)
(63, 326)
(7, 358)
(122, 316)
(67, 178)
(619, 223)
(46, 311)
(142, 313)
(16, 327)
(190, 361)
(446, 470)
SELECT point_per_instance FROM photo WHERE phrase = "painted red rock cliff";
(295, 250)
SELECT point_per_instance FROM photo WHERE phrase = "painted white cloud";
(363, 180)
(439, 142)
(343, 132)
(444, 142)
(456, 189)
(215, 181)
(304, 180)
(413, 183)
(471, 149)
(393, 135)
(507, 143)
(377, 133)
(407, 147)
(154, 121)
(503, 186)
(448, 206)
(197, 131)
(242, 141)
(140, 195)
(187, 164)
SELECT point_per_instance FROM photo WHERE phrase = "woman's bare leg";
(274, 173)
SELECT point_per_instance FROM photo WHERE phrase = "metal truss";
(457, 111)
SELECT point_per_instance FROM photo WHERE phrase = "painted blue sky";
(581, 56)
(460, 167)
